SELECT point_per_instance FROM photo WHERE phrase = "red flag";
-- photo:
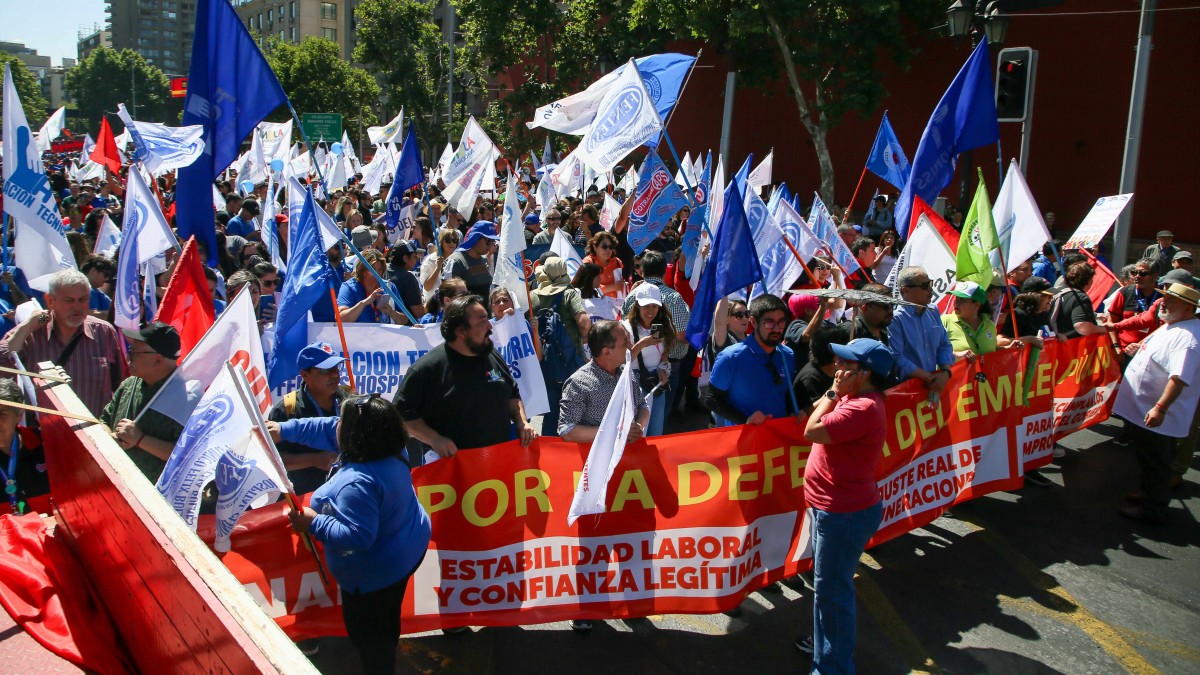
(187, 303)
(105, 151)
(1104, 284)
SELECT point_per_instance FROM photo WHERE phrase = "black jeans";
(1155, 452)
(373, 625)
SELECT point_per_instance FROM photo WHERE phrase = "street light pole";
(1133, 131)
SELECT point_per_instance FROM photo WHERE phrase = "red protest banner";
(694, 521)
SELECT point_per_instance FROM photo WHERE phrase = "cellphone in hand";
(656, 332)
(264, 301)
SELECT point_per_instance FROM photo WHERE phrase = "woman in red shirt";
(601, 250)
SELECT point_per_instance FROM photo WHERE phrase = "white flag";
(510, 272)
(108, 239)
(218, 199)
(926, 248)
(545, 195)
(276, 140)
(270, 230)
(608, 214)
(444, 160)
(514, 342)
(88, 146)
(760, 177)
(161, 148)
(573, 114)
(380, 166)
(42, 249)
(607, 449)
(52, 129)
(348, 153)
(684, 175)
(223, 442)
(567, 177)
(391, 132)
(1018, 221)
(232, 338)
(625, 120)
(466, 169)
(331, 234)
(145, 234)
(562, 246)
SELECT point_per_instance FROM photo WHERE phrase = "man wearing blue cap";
(533, 226)
(470, 262)
(320, 395)
(847, 428)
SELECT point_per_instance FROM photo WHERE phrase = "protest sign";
(694, 522)
(1096, 223)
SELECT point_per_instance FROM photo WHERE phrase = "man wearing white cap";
(1159, 396)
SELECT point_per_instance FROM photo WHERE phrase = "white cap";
(647, 294)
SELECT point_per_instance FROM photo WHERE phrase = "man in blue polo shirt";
(752, 381)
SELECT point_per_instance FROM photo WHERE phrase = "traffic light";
(1014, 83)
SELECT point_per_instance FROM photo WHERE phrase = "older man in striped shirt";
(87, 348)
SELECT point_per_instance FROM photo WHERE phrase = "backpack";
(560, 355)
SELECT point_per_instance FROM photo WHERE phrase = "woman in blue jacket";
(367, 516)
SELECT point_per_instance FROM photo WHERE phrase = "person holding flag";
(150, 439)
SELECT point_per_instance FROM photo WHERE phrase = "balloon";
(277, 165)
(247, 186)
(337, 149)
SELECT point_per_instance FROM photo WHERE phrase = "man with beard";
(460, 394)
(752, 381)
(1158, 399)
(84, 346)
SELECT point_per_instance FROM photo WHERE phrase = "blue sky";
(49, 27)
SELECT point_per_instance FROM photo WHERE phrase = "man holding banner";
(464, 368)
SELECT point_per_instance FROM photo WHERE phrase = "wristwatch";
(831, 395)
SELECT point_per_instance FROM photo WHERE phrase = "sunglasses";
(606, 247)
(268, 282)
(823, 268)
(1140, 273)
(925, 286)
(740, 315)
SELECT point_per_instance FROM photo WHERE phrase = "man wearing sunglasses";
(917, 337)
(1134, 299)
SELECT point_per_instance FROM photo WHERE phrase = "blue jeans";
(838, 540)
(658, 414)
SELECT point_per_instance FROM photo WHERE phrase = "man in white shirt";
(1159, 396)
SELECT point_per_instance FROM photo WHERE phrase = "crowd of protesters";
(766, 357)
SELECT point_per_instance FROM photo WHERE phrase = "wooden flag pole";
(856, 187)
(342, 334)
(26, 373)
(49, 411)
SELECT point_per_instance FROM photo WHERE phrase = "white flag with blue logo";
(146, 235)
(221, 443)
(563, 248)
(465, 170)
(108, 239)
(42, 249)
(625, 120)
(608, 447)
(161, 148)
(510, 273)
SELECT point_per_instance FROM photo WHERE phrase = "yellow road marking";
(894, 627)
(1071, 610)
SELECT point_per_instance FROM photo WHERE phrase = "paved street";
(1042, 580)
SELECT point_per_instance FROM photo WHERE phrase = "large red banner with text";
(695, 521)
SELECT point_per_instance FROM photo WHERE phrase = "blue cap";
(531, 219)
(481, 229)
(871, 353)
(318, 355)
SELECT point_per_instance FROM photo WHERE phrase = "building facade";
(293, 20)
(160, 30)
(91, 40)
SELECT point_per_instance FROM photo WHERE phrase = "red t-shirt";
(840, 476)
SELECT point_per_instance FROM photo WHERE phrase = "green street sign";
(322, 125)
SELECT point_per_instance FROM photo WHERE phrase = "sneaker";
(309, 648)
(581, 625)
(1036, 478)
(1059, 451)
(804, 643)
(456, 630)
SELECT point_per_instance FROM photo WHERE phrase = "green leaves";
(28, 90)
(317, 79)
(108, 77)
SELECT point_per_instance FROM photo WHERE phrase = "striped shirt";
(586, 394)
(90, 366)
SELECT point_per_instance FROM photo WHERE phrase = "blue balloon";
(277, 165)
(247, 186)
(337, 149)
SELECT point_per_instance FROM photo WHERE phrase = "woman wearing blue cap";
(847, 428)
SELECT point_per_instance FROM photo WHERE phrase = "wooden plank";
(172, 599)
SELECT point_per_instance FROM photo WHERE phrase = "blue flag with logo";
(732, 265)
(965, 118)
(230, 90)
(699, 215)
(658, 198)
(409, 173)
(822, 226)
(781, 193)
(887, 159)
(307, 281)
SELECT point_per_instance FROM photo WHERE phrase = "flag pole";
(48, 411)
(856, 187)
(1012, 310)
(342, 334)
(260, 429)
(681, 88)
(537, 342)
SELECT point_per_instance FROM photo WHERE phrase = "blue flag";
(743, 174)
(658, 198)
(782, 193)
(307, 280)
(699, 215)
(408, 174)
(230, 90)
(887, 159)
(965, 118)
(732, 265)
(822, 226)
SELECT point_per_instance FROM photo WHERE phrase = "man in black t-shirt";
(460, 394)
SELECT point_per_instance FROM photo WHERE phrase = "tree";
(28, 90)
(108, 77)
(399, 40)
(829, 53)
(317, 79)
